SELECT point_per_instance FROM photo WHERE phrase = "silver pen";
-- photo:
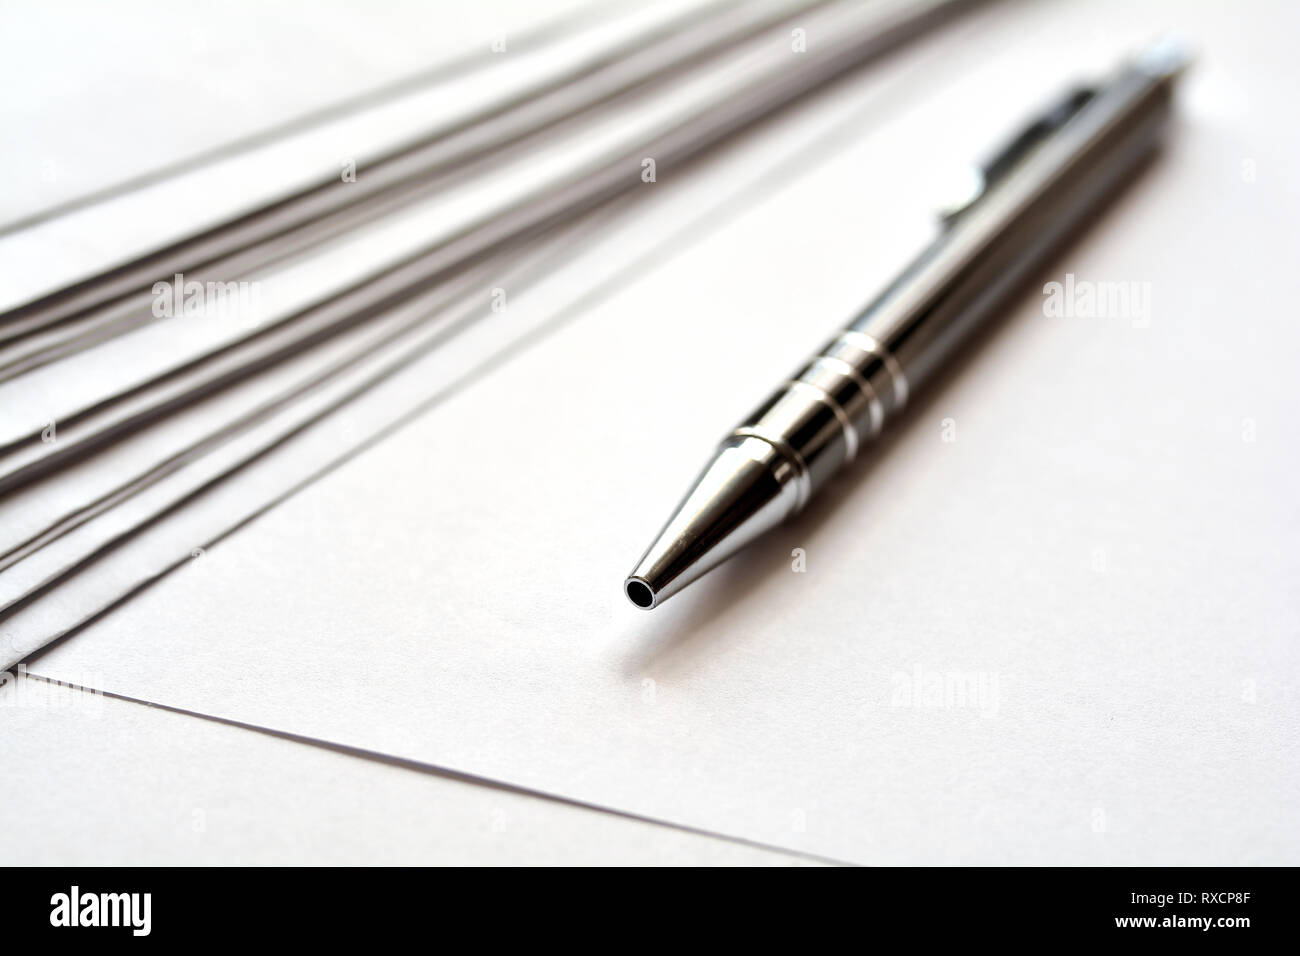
(1032, 194)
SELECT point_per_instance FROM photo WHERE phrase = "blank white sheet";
(93, 780)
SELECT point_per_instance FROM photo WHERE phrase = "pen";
(1032, 193)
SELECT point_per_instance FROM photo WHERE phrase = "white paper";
(109, 123)
(101, 781)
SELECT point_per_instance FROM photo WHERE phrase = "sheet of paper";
(1052, 620)
(67, 495)
(171, 789)
(89, 124)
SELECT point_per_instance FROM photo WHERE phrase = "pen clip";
(983, 175)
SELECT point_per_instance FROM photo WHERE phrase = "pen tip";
(747, 489)
(639, 593)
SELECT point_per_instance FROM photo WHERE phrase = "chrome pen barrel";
(842, 398)
(1038, 191)
(837, 403)
(1034, 193)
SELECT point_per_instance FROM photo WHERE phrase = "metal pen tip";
(748, 488)
(639, 593)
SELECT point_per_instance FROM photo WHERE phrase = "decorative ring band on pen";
(837, 402)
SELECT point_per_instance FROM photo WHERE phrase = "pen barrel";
(988, 251)
(839, 401)
(842, 398)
